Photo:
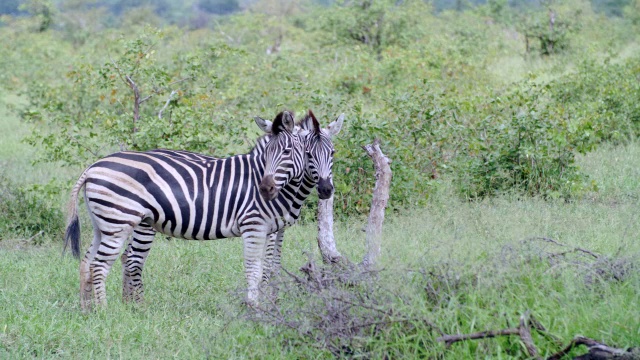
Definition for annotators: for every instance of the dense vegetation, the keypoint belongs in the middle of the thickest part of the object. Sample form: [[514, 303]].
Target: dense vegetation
[[474, 103], [438, 89]]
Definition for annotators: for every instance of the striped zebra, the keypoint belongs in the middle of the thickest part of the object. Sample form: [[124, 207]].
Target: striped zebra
[[319, 152], [185, 195]]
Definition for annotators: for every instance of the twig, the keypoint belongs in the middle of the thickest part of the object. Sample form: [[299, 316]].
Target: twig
[[575, 249], [82, 146], [160, 90], [525, 335], [166, 104], [523, 330], [35, 236], [450, 339], [136, 102]]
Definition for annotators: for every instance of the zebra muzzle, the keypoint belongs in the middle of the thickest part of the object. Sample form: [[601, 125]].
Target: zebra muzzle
[[267, 188], [325, 188]]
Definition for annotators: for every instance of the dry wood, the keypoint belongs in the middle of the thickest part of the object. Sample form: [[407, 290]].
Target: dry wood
[[523, 331], [597, 350], [378, 203], [326, 241]]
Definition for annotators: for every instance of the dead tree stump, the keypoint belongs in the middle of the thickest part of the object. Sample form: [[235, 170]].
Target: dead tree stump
[[326, 241], [378, 203]]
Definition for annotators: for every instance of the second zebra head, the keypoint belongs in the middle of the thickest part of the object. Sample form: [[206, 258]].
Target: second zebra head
[[318, 150], [283, 154]]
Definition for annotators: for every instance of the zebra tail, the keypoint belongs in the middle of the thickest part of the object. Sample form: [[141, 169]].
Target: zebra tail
[[72, 234]]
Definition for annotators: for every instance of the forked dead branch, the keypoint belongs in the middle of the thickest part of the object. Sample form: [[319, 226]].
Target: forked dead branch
[[597, 350]]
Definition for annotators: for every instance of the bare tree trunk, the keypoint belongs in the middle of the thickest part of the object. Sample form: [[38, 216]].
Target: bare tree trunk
[[378, 203], [326, 242]]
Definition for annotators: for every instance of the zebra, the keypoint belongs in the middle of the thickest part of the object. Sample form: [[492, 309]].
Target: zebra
[[319, 152], [184, 195]]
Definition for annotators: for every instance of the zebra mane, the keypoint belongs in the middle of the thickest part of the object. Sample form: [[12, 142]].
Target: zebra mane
[[260, 143], [310, 123]]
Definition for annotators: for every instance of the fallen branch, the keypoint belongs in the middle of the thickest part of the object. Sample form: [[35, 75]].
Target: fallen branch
[[575, 249], [523, 331], [597, 350]]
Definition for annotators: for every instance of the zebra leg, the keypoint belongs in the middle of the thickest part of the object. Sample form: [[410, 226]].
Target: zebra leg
[[273, 255], [86, 287], [106, 254], [133, 259], [86, 284], [254, 249]]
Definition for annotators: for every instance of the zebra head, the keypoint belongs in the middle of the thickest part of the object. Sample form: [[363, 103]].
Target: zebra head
[[283, 154], [319, 151]]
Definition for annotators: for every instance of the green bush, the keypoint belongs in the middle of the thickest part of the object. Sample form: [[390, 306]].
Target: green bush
[[29, 212], [605, 95], [525, 143]]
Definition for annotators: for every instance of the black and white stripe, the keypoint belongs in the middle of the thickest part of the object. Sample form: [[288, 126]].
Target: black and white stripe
[[189, 196], [319, 151]]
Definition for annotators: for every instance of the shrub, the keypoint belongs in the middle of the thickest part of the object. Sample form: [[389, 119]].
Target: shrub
[[526, 144], [28, 212]]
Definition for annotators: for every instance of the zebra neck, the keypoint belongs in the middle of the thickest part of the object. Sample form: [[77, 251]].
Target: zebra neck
[[294, 195]]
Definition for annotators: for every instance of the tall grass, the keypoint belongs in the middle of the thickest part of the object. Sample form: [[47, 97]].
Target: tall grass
[[482, 265]]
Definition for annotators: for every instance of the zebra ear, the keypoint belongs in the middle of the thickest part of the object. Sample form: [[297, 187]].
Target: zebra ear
[[334, 128], [264, 125], [283, 122], [287, 121]]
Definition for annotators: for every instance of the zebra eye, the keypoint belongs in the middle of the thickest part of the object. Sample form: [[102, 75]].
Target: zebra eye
[[286, 151], [333, 152]]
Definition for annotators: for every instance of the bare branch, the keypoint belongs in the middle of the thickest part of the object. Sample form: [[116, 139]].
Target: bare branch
[[575, 249], [136, 102], [160, 90], [595, 346], [166, 104], [525, 335], [450, 339]]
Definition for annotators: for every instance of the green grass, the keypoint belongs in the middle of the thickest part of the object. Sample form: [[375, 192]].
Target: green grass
[[490, 275]]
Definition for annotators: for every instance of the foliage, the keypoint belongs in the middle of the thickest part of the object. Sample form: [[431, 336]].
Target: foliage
[[425, 84], [550, 29], [632, 12], [29, 212], [102, 108], [605, 96], [525, 143]]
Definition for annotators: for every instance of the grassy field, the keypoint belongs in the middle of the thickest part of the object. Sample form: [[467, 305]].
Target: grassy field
[[463, 266]]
